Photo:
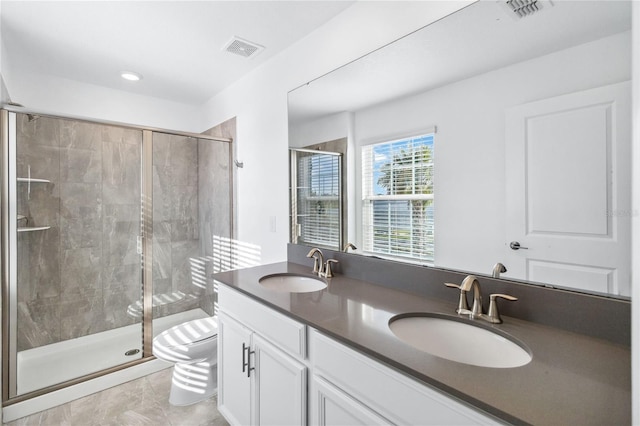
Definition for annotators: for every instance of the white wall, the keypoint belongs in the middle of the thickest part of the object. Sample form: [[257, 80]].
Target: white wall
[[469, 179], [58, 96], [259, 101], [4, 94], [328, 128]]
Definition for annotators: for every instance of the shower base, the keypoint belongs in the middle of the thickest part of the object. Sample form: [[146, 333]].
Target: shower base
[[59, 362]]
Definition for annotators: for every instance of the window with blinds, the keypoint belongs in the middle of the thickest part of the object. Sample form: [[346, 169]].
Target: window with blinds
[[397, 179], [316, 211]]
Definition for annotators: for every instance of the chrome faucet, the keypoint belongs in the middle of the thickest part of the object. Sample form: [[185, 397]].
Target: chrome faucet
[[349, 246], [498, 268], [471, 283], [318, 260]]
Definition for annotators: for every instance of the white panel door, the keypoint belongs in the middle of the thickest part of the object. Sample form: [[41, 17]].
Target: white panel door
[[279, 386], [568, 190]]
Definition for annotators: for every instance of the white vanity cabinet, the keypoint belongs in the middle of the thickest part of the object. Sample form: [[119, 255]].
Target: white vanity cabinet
[[263, 367], [262, 378], [350, 388], [329, 405]]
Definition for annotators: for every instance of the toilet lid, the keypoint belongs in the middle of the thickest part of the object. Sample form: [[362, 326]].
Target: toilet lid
[[188, 333]]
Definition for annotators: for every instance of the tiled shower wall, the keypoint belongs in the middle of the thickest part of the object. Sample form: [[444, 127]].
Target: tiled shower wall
[[175, 222], [191, 202], [215, 199], [79, 276]]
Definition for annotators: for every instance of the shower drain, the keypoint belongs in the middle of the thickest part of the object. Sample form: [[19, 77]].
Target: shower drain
[[132, 352]]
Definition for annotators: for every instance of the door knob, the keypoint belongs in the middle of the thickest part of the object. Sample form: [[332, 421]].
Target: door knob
[[516, 246]]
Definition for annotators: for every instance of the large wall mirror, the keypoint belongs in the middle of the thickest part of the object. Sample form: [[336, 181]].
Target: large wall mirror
[[486, 137]]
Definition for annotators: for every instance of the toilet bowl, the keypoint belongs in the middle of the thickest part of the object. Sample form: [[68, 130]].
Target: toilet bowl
[[192, 347]]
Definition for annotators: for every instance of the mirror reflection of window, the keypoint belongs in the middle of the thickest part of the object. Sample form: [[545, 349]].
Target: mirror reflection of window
[[316, 211], [398, 198]]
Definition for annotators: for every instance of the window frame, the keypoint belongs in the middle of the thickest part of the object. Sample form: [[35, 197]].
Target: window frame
[[368, 196]]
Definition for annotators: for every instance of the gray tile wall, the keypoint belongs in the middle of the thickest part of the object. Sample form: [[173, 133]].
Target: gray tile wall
[[191, 204], [175, 220], [79, 276], [215, 198]]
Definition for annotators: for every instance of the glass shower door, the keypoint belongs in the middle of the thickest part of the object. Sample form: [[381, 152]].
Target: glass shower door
[[316, 198], [191, 210], [77, 281]]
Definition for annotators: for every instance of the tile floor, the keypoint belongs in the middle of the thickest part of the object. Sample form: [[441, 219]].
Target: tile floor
[[144, 401]]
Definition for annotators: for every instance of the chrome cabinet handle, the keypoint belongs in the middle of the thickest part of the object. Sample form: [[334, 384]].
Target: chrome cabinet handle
[[249, 367], [246, 359], [516, 246], [245, 364]]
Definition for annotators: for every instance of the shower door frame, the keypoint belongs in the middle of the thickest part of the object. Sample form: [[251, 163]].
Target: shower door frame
[[8, 246]]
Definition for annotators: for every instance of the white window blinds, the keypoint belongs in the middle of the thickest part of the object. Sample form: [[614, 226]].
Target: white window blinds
[[398, 198], [316, 211]]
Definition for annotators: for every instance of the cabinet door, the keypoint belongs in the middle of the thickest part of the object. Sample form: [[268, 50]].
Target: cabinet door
[[393, 395], [234, 385], [279, 386], [331, 406]]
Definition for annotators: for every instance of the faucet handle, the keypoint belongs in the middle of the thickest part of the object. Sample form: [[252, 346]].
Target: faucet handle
[[463, 306], [493, 316], [328, 273]]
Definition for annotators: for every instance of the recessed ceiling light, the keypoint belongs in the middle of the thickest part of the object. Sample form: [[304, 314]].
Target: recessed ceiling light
[[131, 76]]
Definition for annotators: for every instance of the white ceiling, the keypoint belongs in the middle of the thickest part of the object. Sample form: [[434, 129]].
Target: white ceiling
[[475, 40], [176, 45]]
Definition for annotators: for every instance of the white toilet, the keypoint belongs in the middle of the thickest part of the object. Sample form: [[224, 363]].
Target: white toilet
[[192, 346]]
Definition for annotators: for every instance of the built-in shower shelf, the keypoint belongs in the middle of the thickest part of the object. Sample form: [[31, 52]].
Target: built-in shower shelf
[[33, 180], [32, 228]]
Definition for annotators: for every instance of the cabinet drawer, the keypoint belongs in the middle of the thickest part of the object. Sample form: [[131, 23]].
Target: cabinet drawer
[[281, 330], [393, 395]]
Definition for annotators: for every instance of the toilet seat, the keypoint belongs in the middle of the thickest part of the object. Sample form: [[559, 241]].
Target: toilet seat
[[192, 341]]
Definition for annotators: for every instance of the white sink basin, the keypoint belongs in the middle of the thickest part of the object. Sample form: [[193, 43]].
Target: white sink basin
[[460, 341], [291, 283]]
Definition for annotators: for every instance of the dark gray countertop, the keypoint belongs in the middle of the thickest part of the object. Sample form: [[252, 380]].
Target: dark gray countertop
[[572, 379]]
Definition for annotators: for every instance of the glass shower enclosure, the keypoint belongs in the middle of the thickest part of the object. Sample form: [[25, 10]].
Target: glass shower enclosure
[[106, 241]]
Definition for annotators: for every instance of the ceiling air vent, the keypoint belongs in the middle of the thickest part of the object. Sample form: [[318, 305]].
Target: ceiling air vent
[[522, 8], [242, 47]]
